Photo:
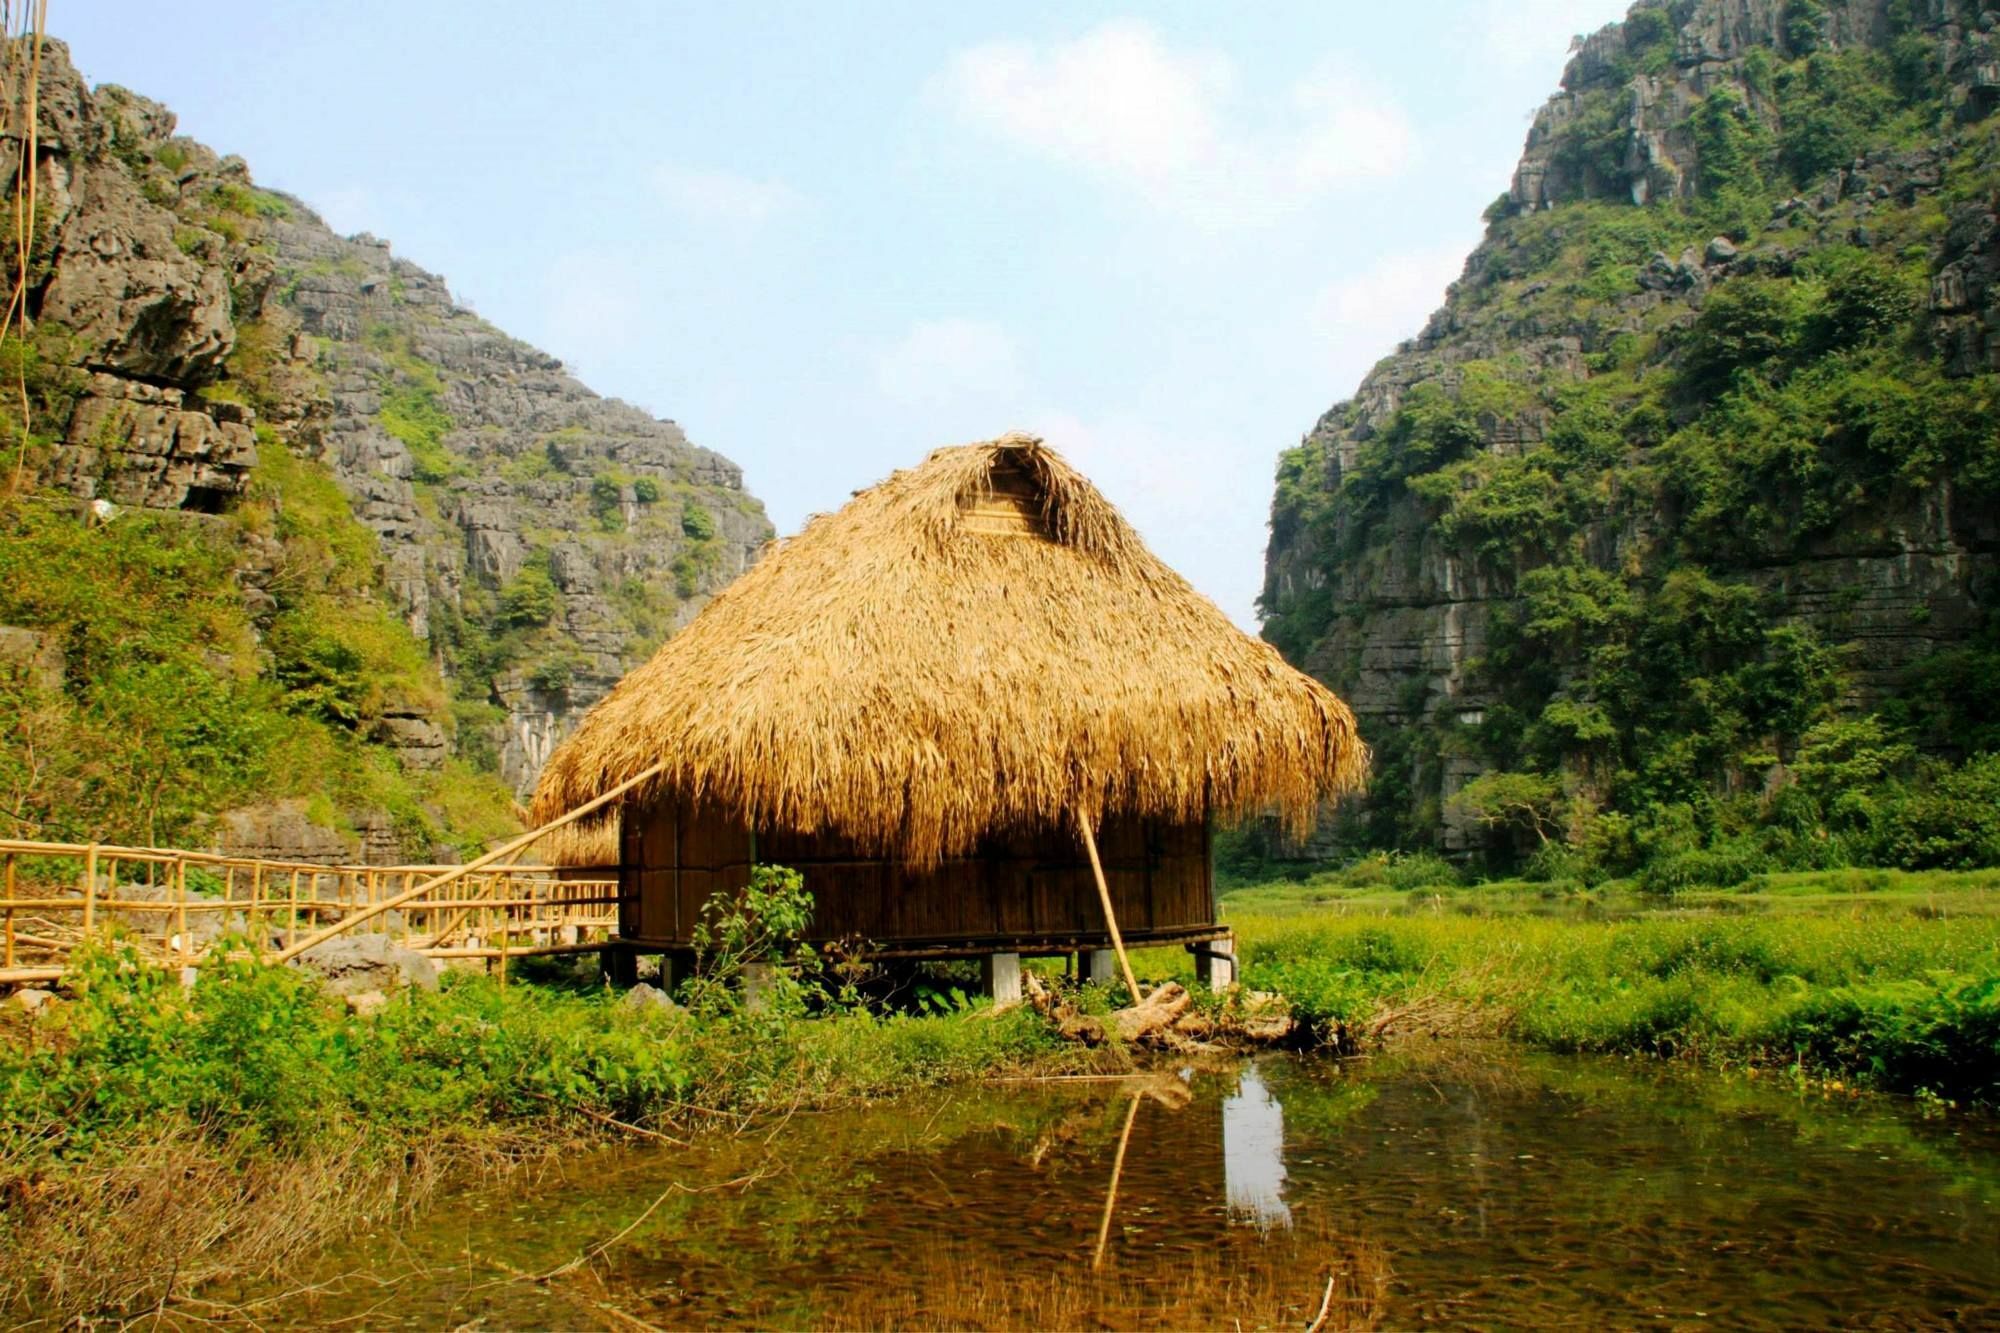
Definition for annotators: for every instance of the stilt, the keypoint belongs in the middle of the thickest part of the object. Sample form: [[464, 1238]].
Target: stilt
[[1215, 963], [676, 966], [1097, 967], [758, 981], [1000, 977], [621, 967]]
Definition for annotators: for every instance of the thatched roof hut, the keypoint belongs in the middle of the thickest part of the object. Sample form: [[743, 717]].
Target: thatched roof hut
[[979, 644]]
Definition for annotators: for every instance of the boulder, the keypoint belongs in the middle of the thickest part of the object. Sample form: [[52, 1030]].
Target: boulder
[[28, 999], [353, 964], [366, 1004], [647, 997]]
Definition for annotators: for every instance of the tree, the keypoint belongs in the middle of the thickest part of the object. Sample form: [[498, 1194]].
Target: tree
[[1533, 801]]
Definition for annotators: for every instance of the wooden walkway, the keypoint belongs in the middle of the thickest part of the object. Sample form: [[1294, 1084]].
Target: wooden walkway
[[180, 907]]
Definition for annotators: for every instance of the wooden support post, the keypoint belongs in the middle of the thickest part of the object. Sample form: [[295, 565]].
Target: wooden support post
[[181, 909], [1104, 896], [676, 967], [90, 888], [10, 910], [250, 917], [621, 967]]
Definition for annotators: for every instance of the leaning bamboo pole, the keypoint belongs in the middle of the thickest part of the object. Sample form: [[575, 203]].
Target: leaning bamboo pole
[[458, 872], [1117, 1170], [1104, 896]]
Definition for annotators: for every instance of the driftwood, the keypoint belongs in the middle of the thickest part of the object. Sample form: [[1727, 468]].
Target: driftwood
[[1153, 1015], [1167, 1019]]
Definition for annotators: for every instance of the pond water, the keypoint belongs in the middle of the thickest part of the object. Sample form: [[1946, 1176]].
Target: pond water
[[1464, 1186]]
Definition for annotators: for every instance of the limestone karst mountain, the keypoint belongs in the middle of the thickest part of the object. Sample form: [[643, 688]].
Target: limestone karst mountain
[[1699, 453], [439, 544]]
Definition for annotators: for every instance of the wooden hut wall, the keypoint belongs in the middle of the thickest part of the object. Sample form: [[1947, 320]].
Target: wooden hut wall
[[1028, 890]]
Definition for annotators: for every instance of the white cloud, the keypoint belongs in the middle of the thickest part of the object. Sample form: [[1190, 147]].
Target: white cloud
[[1115, 99], [721, 196], [958, 369], [1361, 317], [1120, 104]]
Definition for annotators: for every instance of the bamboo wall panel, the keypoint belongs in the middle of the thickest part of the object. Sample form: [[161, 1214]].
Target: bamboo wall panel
[[1030, 888]]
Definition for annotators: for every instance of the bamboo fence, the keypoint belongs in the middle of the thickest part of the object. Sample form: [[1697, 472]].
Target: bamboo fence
[[181, 907]]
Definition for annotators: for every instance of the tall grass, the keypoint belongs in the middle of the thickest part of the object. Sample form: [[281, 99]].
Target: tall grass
[[1897, 1001], [201, 1110]]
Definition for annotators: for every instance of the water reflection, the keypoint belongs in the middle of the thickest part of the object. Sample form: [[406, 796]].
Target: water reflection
[[1253, 1152], [1478, 1187]]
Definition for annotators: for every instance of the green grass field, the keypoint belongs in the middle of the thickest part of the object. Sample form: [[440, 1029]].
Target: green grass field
[[1889, 978]]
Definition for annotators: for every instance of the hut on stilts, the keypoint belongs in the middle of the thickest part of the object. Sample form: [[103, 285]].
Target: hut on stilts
[[974, 711]]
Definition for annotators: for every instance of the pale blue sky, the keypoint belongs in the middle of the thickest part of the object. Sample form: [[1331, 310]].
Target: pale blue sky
[[826, 238]]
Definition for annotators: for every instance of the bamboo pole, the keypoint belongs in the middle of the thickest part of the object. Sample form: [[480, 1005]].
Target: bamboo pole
[[292, 920], [10, 910], [1117, 1169], [458, 872], [257, 933], [1104, 896], [89, 888], [181, 912]]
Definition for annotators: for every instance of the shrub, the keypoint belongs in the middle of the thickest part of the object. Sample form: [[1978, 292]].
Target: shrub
[[1948, 821], [529, 598], [697, 522], [607, 499], [553, 676]]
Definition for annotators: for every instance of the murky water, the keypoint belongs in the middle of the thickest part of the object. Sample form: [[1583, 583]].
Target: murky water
[[1470, 1187]]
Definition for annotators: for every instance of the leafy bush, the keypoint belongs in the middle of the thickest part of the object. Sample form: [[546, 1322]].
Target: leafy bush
[[1950, 820], [529, 598], [554, 675], [607, 500], [697, 522]]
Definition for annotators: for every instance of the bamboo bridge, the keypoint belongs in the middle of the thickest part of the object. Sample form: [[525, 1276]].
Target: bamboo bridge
[[181, 907]]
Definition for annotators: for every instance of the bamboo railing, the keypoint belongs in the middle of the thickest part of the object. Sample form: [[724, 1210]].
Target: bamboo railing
[[180, 906]]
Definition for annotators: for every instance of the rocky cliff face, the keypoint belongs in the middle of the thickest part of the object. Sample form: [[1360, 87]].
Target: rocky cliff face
[[480, 463], [1710, 170], [199, 342]]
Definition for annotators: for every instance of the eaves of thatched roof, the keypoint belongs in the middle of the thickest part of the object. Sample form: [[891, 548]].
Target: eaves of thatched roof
[[980, 643]]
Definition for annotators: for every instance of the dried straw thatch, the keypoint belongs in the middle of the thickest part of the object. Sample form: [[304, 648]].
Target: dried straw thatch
[[588, 842], [917, 670]]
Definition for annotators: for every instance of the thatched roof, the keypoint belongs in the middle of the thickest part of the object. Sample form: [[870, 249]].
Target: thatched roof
[[978, 643], [588, 842]]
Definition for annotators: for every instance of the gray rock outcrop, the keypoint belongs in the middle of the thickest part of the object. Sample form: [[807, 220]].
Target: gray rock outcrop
[[538, 539], [361, 964], [1397, 616]]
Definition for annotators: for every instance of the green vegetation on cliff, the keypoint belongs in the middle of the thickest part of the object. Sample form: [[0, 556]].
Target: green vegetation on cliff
[[1639, 464], [159, 700]]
